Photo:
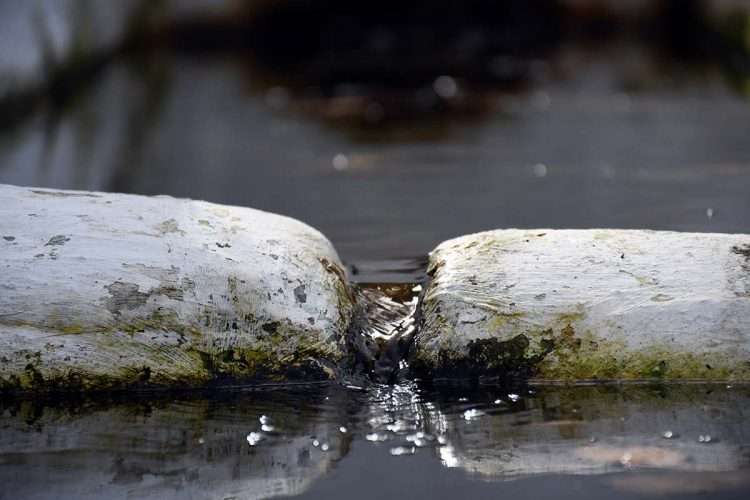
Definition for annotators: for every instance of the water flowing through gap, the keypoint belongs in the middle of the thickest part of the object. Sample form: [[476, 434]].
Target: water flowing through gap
[[388, 295]]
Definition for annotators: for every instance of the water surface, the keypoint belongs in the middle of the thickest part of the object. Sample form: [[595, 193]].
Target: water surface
[[329, 441]]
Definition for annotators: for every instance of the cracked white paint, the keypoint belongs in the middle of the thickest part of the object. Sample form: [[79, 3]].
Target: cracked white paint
[[98, 284]]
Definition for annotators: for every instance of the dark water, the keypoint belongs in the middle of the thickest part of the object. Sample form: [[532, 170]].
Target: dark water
[[608, 137], [622, 441]]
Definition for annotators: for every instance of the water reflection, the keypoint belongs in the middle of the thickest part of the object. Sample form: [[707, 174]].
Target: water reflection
[[263, 443], [220, 447]]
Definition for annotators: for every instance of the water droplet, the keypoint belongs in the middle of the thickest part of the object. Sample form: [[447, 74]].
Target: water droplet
[[704, 438], [463, 400], [710, 213], [375, 437], [473, 414], [342, 429], [626, 457], [403, 450], [445, 86], [400, 426], [499, 402], [667, 434], [267, 428], [514, 397], [540, 170], [324, 447], [340, 162], [442, 439], [592, 439], [201, 440], [622, 419], [316, 443], [254, 438]]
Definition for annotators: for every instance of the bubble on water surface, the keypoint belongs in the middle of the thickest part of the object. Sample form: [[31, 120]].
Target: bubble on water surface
[[704, 438], [403, 450], [376, 437], [539, 170], [473, 414], [254, 438], [340, 162], [445, 86]]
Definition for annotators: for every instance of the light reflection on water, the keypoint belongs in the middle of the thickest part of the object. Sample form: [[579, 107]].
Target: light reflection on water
[[286, 441]]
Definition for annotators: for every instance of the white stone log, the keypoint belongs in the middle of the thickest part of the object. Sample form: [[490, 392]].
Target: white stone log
[[110, 291], [587, 304]]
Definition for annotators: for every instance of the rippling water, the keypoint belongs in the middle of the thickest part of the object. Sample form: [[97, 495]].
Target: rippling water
[[348, 442]]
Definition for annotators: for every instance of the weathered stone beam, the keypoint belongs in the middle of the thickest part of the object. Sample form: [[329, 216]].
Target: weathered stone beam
[[589, 304], [105, 291]]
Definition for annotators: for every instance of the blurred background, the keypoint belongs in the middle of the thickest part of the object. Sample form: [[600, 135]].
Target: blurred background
[[390, 125]]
